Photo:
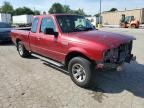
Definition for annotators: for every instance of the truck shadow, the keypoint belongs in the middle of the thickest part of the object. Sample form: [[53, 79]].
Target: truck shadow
[[131, 80], [57, 68], [6, 43]]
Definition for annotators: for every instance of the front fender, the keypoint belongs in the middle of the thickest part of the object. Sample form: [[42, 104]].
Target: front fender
[[91, 54], [80, 50]]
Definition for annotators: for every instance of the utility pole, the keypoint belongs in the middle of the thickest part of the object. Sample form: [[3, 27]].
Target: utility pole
[[0, 9], [34, 10], [100, 12]]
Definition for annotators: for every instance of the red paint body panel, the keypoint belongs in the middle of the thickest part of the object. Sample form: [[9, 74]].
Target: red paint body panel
[[92, 44]]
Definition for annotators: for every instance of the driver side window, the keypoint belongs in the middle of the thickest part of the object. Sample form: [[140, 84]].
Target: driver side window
[[35, 25], [47, 23]]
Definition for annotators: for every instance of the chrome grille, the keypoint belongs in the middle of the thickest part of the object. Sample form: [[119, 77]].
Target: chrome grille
[[119, 54]]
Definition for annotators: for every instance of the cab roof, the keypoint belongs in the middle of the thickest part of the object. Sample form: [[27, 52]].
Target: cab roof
[[56, 15]]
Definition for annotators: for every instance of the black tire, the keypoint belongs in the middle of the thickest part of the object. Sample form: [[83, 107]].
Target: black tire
[[88, 70], [21, 50]]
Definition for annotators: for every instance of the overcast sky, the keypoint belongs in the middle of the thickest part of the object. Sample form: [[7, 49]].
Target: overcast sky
[[89, 6]]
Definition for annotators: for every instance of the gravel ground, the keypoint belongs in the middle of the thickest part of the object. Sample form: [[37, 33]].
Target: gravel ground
[[30, 83]]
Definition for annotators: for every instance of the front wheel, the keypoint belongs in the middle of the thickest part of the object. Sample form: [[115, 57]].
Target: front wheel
[[21, 50], [81, 71]]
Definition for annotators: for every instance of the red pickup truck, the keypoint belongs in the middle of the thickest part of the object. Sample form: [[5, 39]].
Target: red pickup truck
[[71, 41]]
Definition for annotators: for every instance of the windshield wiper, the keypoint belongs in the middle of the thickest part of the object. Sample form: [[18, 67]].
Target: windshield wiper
[[88, 28], [78, 29], [81, 29]]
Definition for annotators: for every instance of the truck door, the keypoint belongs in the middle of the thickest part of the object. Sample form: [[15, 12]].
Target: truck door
[[49, 43], [34, 39]]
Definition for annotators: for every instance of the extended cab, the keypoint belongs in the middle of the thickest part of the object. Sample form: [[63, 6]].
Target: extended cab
[[72, 41]]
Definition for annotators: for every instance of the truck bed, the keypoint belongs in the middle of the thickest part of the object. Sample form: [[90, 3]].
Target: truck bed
[[22, 34], [23, 28]]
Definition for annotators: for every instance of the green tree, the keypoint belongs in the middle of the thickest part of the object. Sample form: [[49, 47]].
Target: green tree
[[56, 8], [66, 9], [7, 8], [79, 12], [23, 10], [88, 15], [113, 9], [97, 15], [36, 12]]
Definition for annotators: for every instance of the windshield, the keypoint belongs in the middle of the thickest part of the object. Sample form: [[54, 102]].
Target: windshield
[[4, 25], [74, 23]]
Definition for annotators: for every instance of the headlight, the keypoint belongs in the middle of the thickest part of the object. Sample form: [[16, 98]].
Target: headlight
[[111, 54]]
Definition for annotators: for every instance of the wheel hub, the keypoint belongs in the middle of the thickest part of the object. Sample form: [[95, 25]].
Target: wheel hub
[[20, 48], [78, 72]]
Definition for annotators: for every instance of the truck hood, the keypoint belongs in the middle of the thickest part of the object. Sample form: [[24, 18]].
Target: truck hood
[[102, 37]]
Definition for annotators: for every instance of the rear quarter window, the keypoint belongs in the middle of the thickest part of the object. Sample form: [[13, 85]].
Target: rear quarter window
[[35, 25]]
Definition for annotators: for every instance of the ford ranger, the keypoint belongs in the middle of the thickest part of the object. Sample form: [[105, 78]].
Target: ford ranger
[[72, 42]]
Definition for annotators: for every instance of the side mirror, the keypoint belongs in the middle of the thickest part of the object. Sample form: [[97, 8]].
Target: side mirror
[[50, 31]]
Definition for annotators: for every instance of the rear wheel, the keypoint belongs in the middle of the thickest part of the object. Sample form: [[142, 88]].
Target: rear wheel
[[21, 50], [81, 71]]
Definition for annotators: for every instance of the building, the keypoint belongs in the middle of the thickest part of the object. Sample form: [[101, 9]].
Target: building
[[5, 18], [113, 18]]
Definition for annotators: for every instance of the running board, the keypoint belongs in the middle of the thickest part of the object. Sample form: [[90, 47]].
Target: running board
[[48, 60]]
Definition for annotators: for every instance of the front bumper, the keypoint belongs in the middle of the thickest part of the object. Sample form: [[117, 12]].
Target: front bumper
[[114, 58], [118, 66]]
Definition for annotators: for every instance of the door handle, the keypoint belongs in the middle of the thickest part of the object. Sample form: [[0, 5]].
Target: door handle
[[39, 38]]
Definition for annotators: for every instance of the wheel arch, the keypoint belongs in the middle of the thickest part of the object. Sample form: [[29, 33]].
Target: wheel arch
[[17, 40], [73, 54]]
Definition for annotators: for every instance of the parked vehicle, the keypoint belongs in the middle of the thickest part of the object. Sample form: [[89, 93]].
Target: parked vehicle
[[6, 18], [22, 20], [95, 20], [5, 30], [72, 42], [129, 22]]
